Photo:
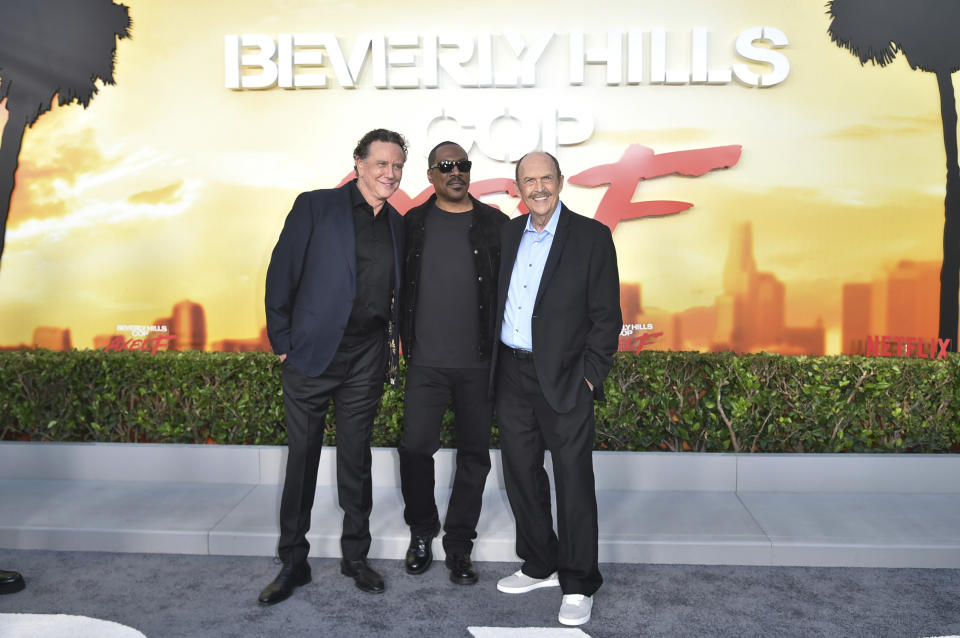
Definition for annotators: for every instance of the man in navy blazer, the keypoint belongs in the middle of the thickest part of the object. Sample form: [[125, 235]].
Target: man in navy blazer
[[332, 310], [559, 323]]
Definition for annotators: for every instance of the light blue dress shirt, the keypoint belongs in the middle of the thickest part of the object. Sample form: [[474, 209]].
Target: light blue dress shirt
[[517, 330]]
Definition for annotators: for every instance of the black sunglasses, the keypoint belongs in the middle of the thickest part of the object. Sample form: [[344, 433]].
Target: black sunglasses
[[445, 166]]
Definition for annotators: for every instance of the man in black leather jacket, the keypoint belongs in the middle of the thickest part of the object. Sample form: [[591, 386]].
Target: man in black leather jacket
[[447, 322]]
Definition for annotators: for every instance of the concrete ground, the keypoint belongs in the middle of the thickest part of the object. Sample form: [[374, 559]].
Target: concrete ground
[[171, 596]]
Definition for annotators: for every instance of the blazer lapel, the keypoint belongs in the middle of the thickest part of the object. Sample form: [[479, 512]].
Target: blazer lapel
[[508, 255], [556, 248], [396, 230]]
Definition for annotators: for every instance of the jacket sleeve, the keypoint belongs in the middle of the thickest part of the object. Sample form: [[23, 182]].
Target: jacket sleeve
[[603, 312], [284, 271]]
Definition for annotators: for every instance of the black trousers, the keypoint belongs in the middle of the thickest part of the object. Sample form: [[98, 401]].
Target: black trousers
[[428, 393], [354, 380], [528, 425]]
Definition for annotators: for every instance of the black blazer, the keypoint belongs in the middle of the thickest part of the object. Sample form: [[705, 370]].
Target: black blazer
[[576, 317], [312, 279]]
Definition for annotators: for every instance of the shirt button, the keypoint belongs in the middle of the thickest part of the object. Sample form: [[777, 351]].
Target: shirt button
[[479, 278]]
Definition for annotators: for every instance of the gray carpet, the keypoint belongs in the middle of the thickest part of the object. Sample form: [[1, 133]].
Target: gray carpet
[[169, 596]]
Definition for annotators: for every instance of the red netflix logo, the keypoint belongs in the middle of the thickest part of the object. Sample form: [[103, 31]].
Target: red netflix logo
[[906, 347]]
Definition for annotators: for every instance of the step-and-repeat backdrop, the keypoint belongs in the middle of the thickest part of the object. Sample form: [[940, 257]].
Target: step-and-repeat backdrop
[[766, 190]]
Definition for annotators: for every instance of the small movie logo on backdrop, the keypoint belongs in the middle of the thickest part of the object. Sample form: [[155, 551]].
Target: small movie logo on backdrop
[[143, 338], [634, 337]]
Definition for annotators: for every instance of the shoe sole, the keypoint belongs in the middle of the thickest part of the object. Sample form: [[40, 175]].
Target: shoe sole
[[12, 587], [300, 583], [268, 603], [574, 623], [523, 590], [469, 580], [421, 570], [463, 581], [368, 590]]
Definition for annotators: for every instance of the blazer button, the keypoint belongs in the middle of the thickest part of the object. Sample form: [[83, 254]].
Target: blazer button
[[479, 278], [475, 251]]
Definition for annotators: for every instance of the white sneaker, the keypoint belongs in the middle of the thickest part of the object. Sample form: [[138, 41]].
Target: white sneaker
[[575, 609], [520, 583]]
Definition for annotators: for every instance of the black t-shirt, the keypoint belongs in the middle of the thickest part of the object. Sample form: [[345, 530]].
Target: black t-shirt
[[448, 322]]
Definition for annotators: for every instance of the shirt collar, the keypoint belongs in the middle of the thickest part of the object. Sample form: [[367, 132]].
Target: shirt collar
[[357, 200], [551, 226], [356, 197]]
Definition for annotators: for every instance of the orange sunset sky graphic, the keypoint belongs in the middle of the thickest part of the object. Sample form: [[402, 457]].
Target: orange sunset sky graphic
[[172, 187]]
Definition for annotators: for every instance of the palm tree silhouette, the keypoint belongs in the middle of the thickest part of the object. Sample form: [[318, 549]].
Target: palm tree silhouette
[[926, 33], [50, 48]]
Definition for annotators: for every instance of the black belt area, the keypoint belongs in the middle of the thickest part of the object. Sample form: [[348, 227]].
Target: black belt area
[[517, 353]]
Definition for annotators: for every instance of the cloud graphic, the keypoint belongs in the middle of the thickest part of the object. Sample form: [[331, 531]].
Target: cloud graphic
[[163, 195], [890, 125]]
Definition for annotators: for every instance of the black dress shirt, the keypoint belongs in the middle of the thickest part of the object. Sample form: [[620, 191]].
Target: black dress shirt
[[371, 307]]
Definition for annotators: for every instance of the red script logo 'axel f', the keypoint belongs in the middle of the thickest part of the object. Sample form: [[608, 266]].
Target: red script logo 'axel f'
[[640, 162]]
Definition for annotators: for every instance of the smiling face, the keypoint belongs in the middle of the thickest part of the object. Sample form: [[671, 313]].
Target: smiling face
[[379, 173], [451, 187], [539, 182]]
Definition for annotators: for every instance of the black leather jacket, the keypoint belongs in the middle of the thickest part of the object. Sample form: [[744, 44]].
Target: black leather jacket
[[484, 238]]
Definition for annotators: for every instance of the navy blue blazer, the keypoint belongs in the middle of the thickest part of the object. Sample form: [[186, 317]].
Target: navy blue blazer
[[312, 279]]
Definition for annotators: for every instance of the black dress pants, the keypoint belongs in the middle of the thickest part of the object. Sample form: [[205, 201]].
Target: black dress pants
[[528, 425], [354, 380], [427, 396]]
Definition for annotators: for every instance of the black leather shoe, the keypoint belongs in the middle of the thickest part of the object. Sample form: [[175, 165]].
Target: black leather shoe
[[461, 569], [289, 578], [365, 578], [11, 582], [420, 553]]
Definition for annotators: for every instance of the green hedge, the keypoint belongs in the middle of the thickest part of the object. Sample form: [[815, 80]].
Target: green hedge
[[655, 401]]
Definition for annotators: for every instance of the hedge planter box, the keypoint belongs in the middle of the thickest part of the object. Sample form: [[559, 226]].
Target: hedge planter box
[[656, 401]]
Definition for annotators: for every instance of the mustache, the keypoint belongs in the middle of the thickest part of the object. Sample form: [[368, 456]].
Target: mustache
[[541, 194]]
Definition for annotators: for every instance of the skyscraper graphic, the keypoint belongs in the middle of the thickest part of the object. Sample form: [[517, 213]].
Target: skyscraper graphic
[[631, 306], [751, 311], [261, 343], [740, 265], [901, 301], [768, 304], [189, 327], [52, 338], [856, 317], [735, 316], [913, 298]]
